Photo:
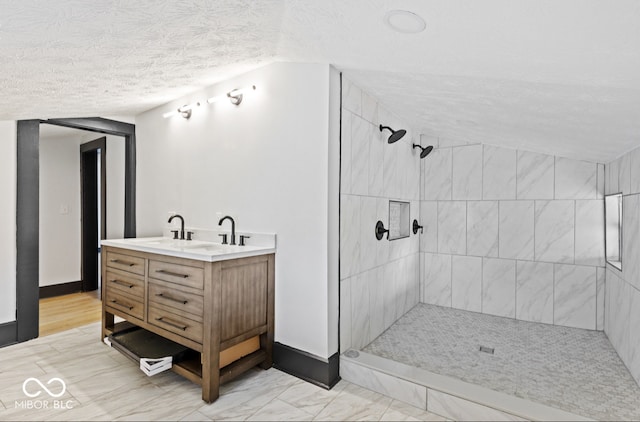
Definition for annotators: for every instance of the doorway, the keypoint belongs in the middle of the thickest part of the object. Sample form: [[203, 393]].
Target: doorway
[[27, 218], [93, 177]]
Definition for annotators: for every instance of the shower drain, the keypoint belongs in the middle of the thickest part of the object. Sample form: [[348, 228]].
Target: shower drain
[[486, 349]]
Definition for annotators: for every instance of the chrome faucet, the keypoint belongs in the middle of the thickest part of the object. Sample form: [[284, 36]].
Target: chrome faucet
[[175, 232], [233, 229]]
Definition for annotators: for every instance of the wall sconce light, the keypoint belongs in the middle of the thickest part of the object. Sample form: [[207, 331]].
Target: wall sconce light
[[235, 95], [184, 111]]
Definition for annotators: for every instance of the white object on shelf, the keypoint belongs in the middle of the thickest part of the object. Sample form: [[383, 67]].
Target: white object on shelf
[[155, 366]]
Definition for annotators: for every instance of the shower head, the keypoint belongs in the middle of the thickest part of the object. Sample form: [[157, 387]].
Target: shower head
[[395, 136], [425, 151]]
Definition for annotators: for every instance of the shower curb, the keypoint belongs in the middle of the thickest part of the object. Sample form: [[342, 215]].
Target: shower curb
[[442, 395]]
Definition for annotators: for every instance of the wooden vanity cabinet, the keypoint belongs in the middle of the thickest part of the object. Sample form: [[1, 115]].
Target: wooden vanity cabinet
[[221, 309]]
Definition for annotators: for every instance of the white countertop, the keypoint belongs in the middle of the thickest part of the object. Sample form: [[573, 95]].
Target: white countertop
[[190, 249]]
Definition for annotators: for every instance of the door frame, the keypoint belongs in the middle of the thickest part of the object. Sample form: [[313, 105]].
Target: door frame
[[28, 203], [89, 251]]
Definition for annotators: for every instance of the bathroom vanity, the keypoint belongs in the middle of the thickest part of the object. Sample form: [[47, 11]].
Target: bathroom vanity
[[217, 300]]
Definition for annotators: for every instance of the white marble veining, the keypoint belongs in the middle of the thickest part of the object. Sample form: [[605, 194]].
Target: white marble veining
[[634, 335], [575, 179], [589, 234], [631, 239], [369, 108], [482, 228], [499, 173], [345, 152], [115, 389], [405, 391], [600, 190], [367, 224], [554, 231], [351, 97], [447, 142], [463, 410], [634, 175], [429, 221], [499, 287], [345, 314], [376, 171], [391, 290], [355, 403], [349, 235], [618, 308], [624, 175], [436, 279], [436, 180], [360, 143], [535, 175], [575, 296], [452, 227], [467, 172], [534, 291], [360, 309], [611, 184], [516, 231], [376, 302], [466, 283], [600, 297]]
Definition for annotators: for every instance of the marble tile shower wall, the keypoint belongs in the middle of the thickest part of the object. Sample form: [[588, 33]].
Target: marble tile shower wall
[[622, 294], [513, 233], [379, 280]]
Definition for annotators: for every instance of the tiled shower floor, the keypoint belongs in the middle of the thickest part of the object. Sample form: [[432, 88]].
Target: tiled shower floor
[[566, 368]]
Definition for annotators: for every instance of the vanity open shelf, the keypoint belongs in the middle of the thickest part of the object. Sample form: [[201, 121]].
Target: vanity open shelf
[[221, 309]]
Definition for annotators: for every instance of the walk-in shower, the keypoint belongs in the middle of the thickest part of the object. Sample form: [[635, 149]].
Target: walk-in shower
[[507, 256]]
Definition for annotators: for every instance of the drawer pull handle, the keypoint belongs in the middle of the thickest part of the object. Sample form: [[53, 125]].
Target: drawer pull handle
[[115, 302], [172, 273], [184, 302], [122, 283], [121, 262], [172, 324]]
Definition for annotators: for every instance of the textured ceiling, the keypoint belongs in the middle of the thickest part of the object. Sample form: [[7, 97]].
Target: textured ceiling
[[561, 77]]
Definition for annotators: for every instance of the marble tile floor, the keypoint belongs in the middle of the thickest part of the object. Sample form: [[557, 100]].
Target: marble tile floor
[[101, 384], [570, 369]]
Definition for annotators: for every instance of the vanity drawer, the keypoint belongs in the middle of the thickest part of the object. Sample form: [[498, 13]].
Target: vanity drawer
[[174, 296], [175, 323], [176, 273], [125, 303], [132, 264], [123, 282]]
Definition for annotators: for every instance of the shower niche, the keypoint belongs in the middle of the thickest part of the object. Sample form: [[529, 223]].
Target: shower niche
[[399, 216]]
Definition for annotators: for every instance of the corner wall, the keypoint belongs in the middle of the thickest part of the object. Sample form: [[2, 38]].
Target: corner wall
[[8, 185], [513, 233], [266, 163], [622, 320], [378, 279]]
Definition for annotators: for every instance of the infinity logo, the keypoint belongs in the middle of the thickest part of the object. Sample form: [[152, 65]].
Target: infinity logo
[[43, 387]]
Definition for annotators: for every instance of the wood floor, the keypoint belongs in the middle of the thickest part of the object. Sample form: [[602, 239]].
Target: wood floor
[[62, 313]]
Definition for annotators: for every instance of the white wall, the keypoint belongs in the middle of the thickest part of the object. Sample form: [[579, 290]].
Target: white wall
[[60, 231], [513, 233], [60, 234], [8, 221], [622, 292], [266, 164], [378, 279]]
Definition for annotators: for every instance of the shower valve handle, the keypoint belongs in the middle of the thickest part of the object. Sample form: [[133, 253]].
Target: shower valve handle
[[380, 230]]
